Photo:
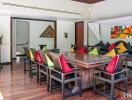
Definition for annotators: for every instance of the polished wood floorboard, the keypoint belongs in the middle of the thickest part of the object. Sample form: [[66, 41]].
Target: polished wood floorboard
[[15, 85]]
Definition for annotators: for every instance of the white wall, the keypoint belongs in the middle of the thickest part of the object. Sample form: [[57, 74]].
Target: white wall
[[36, 29], [63, 43], [5, 30]]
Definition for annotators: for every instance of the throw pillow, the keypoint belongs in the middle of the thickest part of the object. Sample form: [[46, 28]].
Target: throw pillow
[[94, 52], [49, 62], [112, 46], [121, 48], [39, 58], [111, 66], [65, 67], [31, 55], [111, 53]]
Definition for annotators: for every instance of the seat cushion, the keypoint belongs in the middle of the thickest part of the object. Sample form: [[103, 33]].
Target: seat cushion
[[94, 51], [111, 53], [31, 55], [111, 66], [81, 50], [112, 46], [65, 67], [121, 48], [39, 58], [72, 50], [49, 62]]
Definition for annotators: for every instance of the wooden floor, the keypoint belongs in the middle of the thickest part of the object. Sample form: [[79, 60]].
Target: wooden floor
[[15, 85]]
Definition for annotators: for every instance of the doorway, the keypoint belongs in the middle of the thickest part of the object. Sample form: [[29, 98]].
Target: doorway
[[20, 37], [26, 33], [79, 34]]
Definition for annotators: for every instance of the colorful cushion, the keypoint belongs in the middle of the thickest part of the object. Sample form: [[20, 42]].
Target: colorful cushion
[[122, 48], [44, 49], [49, 62], [112, 46], [111, 53], [72, 50], [31, 55], [129, 47], [65, 67], [94, 52], [39, 57], [112, 65], [81, 50]]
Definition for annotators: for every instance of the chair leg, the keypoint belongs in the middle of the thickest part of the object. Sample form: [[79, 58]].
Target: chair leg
[[125, 83], [37, 73], [112, 91], [39, 77], [48, 80], [24, 66], [80, 84], [63, 87], [50, 86], [94, 85]]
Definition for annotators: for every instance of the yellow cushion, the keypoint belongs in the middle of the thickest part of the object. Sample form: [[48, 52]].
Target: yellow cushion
[[122, 48], [31, 55], [111, 53], [44, 49], [72, 50]]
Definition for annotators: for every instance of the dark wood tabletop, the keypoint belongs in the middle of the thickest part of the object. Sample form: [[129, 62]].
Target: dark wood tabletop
[[85, 60]]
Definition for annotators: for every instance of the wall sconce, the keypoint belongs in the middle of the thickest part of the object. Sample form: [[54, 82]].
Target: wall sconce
[[66, 35]]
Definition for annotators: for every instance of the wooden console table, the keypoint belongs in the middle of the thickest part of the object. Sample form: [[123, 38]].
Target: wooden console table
[[86, 63]]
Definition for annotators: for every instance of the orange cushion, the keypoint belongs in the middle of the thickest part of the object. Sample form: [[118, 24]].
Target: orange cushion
[[65, 67], [111, 66]]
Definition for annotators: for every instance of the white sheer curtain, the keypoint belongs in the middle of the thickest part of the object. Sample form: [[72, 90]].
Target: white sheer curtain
[[94, 27]]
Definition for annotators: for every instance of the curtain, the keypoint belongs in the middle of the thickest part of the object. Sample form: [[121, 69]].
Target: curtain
[[94, 27]]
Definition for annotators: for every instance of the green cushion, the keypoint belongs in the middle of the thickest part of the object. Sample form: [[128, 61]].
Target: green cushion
[[44, 49], [94, 52], [49, 62]]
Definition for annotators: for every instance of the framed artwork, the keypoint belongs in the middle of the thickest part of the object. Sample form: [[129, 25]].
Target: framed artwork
[[48, 32], [121, 32]]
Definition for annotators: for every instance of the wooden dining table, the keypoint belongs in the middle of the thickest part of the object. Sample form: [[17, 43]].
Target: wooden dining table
[[86, 63]]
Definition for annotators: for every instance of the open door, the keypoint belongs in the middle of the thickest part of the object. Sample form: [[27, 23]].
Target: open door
[[79, 34]]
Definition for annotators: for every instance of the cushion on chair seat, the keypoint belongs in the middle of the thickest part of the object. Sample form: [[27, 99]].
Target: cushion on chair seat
[[94, 51], [31, 55], [49, 62], [112, 53], [39, 58], [112, 46], [64, 65], [81, 50], [122, 48], [72, 50], [111, 66]]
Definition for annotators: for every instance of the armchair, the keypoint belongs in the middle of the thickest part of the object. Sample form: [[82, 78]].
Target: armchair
[[57, 74], [116, 75]]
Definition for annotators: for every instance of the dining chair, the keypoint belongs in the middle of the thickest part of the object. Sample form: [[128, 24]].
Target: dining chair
[[112, 74], [58, 74], [33, 62], [26, 59], [43, 71]]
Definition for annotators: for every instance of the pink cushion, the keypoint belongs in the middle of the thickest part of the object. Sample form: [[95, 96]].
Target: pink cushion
[[65, 67], [111, 66], [39, 58], [81, 50], [112, 46]]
